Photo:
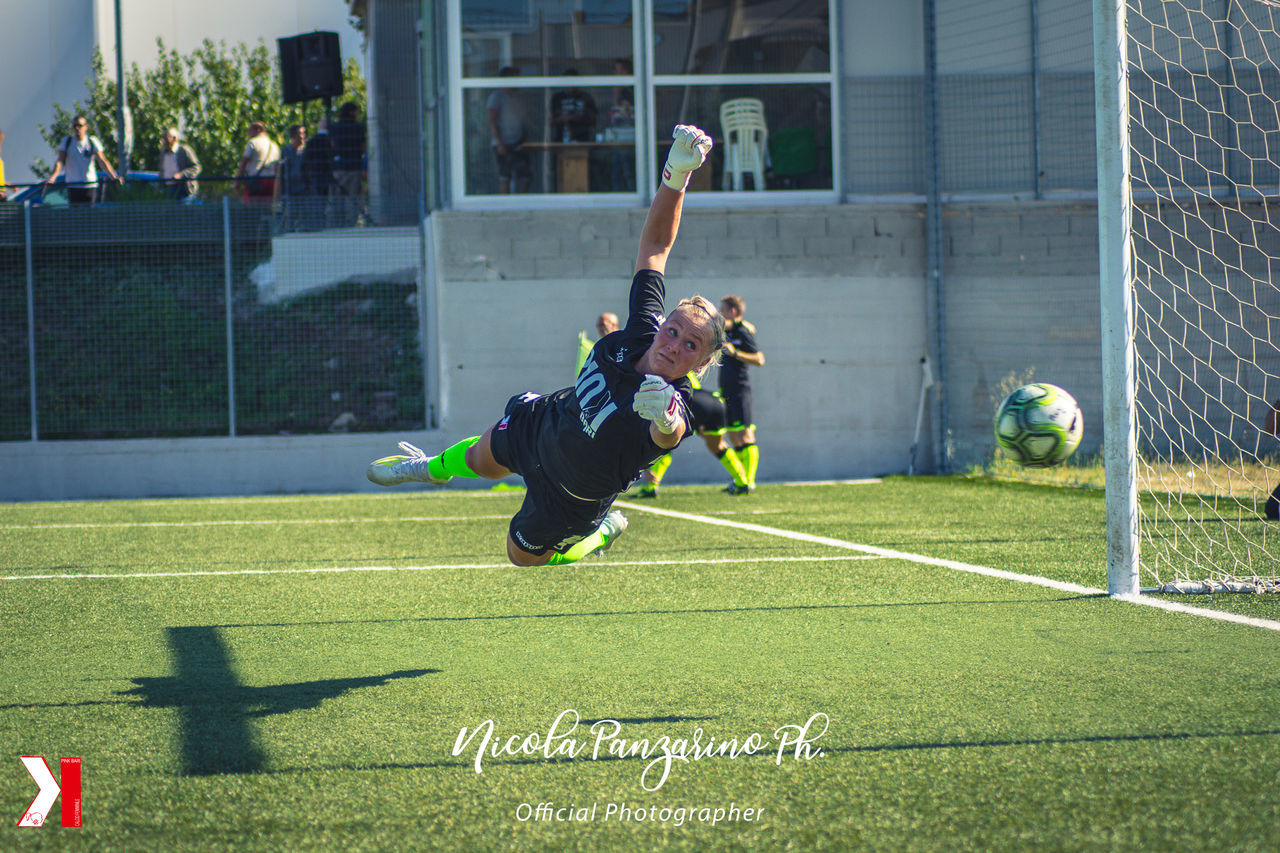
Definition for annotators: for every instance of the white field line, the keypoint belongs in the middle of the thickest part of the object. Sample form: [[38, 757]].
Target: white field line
[[432, 494], [233, 522], [1268, 624], [436, 568], [263, 499], [869, 550]]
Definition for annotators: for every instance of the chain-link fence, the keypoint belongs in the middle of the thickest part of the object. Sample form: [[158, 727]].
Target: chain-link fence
[[149, 319], [1014, 102]]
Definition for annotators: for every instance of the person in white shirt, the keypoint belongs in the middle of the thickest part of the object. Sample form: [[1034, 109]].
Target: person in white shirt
[[258, 164], [78, 156]]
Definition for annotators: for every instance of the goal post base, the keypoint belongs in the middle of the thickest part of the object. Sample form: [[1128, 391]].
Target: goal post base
[[1254, 587]]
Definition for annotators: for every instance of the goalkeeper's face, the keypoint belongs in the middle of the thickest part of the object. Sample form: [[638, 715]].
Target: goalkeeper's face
[[683, 344]]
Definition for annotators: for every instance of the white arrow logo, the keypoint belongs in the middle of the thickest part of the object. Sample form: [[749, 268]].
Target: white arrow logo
[[49, 790]]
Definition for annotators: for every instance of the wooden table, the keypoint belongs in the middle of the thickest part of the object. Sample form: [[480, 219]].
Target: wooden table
[[573, 161]]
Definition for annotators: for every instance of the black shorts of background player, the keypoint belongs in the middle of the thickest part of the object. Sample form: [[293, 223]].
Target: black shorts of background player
[[708, 414], [579, 448], [1271, 509], [740, 351]]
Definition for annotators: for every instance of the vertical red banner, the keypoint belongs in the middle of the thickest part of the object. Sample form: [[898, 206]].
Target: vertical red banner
[[70, 792]]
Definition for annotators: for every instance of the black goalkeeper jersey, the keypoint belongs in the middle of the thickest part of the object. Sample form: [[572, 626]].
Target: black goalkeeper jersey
[[590, 440], [734, 378]]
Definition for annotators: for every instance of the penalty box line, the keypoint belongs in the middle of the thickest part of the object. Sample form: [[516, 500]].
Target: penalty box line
[[1000, 574], [441, 567]]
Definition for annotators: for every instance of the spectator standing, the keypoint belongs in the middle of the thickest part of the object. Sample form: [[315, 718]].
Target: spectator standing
[[291, 186], [179, 166], [606, 323], [348, 136], [622, 128], [4, 190], [78, 156], [573, 113], [258, 165], [317, 169], [507, 120]]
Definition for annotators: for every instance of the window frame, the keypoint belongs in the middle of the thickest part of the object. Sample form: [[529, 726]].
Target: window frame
[[643, 82]]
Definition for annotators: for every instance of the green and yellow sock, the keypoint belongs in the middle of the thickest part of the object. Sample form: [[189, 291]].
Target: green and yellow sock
[[580, 549], [730, 461], [452, 461], [659, 469], [750, 454]]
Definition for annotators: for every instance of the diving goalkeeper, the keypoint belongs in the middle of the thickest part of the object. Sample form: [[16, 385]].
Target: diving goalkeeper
[[579, 448]]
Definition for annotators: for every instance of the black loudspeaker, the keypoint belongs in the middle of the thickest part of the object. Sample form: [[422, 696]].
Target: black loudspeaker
[[310, 67]]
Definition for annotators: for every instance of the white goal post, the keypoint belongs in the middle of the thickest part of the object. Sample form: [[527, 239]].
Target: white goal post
[[1187, 94]]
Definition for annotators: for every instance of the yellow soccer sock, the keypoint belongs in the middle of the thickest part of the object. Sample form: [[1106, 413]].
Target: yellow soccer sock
[[751, 456], [731, 463], [659, 469]]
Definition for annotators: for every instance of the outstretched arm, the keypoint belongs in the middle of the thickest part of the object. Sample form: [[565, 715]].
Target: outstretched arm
[[58, 166], [688, 152], [660, 227], [752, 358], [110, 171]]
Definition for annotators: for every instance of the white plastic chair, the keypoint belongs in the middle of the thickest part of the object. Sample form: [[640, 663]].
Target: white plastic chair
[[746, 139]]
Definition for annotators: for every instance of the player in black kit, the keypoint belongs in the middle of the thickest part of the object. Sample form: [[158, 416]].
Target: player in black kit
[[740, 350], [709, 421], [579, 448]]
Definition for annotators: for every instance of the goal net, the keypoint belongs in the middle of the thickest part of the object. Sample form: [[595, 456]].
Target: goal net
[[1204, 159]]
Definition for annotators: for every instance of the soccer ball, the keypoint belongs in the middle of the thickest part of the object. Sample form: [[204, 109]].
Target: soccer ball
[[1039, 425]]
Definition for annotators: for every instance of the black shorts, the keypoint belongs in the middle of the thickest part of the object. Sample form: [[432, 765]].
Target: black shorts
[[737, 407], [549, 517], [707, 412], [516, 163]]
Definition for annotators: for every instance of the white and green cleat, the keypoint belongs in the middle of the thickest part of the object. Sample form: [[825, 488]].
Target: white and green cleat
[[394, 470], [613, 526]]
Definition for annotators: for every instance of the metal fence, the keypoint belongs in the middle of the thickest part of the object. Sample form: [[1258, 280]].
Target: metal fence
[[146, 319]]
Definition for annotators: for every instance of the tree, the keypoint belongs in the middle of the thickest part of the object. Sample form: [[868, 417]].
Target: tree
[[210, 96]]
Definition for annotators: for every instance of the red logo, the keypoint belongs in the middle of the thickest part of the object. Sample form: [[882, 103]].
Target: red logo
[[38, 811]]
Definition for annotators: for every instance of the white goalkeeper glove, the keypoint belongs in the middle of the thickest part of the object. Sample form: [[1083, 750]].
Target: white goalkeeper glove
[[658, 402], [688, 152]]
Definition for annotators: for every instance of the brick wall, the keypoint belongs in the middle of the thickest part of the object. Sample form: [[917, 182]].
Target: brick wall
[[839, 296]]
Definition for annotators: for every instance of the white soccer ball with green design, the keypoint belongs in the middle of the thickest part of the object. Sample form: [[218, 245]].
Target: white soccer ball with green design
[[1039, 425]]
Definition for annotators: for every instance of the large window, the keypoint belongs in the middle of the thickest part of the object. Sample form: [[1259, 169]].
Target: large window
[[556, 98]]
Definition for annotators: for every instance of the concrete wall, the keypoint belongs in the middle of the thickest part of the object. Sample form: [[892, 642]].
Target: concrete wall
[[134, 468], [45, 60], [1022, 303], [838, 294]]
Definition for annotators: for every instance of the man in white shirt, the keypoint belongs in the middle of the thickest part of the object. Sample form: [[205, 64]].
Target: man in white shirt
[[258, 165], [78, 155]]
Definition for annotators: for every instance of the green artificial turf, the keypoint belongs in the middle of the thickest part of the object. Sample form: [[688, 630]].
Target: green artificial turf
[[294, 674]]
